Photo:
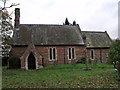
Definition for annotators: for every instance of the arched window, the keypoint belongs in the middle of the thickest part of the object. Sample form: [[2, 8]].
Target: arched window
[[92, 54]]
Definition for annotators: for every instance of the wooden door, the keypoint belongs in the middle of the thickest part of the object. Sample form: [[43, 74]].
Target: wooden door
[[31, 61]]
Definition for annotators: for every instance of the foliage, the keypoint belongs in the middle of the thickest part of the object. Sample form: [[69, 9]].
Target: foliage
[[4, 61], [14, 62], [79, 61], [117, 68], [95, 61], [83, 60], [55, 62], [6, 28], [84, 36], [90, 61], [61, 76], [114, 53], [73, 61]]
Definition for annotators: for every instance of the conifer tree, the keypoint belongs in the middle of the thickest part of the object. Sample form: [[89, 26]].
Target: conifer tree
[[67, 22], [74, 22]]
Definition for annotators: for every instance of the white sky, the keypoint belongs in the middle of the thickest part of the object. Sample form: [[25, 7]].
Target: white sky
[[93, 15]]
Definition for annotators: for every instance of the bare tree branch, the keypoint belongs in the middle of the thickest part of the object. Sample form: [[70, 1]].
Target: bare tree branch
[[13, 4]]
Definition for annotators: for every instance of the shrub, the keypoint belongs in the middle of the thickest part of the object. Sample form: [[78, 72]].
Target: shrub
[[114, 53], [95, 61], [4, 61], [117, 68], [73, 61], [83, 59], [56, 62], [14, 62], [79, 61], [90, 61]]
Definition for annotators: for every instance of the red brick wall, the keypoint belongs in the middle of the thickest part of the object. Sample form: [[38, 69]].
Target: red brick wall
[[18, 51], [61, 53], [100, 54]]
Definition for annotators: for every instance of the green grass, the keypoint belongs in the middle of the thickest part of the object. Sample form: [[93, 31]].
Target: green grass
[[61, 76]]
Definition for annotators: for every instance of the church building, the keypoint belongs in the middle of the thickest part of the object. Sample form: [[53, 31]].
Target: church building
[[39, 45]]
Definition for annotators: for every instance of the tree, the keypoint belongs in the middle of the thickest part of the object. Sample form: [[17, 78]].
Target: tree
[[114, 52], [6, 28], [6, 31], [86, 56], [67, 22], [114, 56], [74, 22]]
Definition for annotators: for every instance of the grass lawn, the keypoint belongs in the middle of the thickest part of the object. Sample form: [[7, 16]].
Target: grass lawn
[[61, 76]]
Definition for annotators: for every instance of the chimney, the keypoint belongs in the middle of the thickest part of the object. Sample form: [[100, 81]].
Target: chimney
[[17, 17]]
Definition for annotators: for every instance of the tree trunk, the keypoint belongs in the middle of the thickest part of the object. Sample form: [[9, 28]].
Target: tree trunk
[[119, 74], [86, 59], [118, 67]]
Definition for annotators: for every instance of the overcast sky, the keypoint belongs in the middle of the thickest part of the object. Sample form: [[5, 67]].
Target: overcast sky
[[93, 15]]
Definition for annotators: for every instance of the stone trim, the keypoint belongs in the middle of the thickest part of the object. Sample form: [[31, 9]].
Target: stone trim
[[71, 53], [52, 54], [24, 57]]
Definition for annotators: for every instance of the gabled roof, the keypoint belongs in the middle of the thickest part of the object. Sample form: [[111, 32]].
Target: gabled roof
[[40, 34], [97, 39]]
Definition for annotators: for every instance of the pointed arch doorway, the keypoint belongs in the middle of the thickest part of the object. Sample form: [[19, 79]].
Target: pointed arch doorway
[[31, 61]]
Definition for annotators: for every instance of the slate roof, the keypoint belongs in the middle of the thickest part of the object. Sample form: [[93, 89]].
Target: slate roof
[[41, 34], [96, 39]]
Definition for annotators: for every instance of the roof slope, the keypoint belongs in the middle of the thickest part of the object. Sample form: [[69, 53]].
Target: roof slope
[[97, 39], [48, 35]]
